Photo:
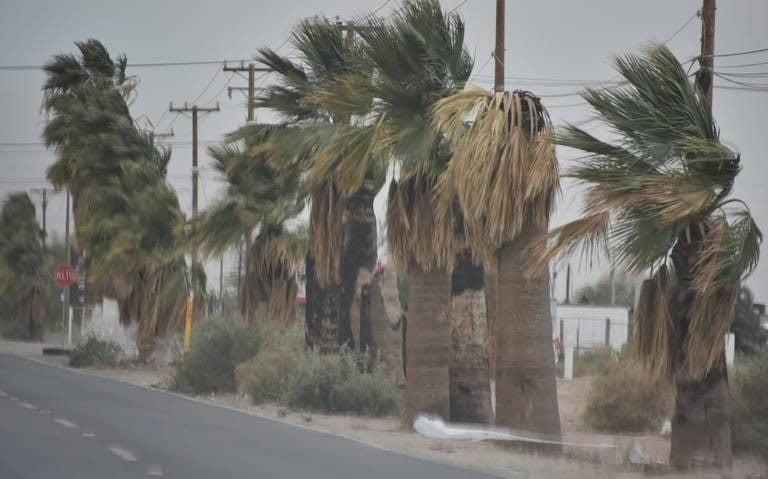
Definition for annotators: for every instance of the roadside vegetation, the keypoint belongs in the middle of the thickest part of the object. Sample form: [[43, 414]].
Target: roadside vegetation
[[96, 352]]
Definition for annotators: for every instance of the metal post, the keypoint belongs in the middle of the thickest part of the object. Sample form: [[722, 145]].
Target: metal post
[[67, 320]]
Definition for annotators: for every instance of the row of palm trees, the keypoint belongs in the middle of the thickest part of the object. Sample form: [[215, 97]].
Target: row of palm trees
[[472, 178]]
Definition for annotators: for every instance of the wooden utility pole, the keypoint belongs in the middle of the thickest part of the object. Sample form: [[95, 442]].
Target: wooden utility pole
[[44, 205], [705, 77], [568, 285], [498, 53], [195, 110], [251, 69], [67, 260]]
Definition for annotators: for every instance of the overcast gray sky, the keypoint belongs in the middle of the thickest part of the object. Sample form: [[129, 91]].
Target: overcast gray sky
[[546, 40]]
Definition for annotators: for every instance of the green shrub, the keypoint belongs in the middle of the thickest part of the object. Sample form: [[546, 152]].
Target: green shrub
[[336, 383], [286, 373], [218, 346], [626, 399], [749, 418], [96, 352], [264, 378]]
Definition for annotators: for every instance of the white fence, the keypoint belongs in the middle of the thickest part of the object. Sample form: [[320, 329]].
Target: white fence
[[586, 327]]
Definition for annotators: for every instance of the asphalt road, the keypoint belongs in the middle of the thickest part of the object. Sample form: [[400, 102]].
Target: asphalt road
[[59, 424]]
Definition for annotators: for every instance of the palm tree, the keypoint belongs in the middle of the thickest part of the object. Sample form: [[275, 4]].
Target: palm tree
[[257, 203], [658, 197], [342, 231], [504, 173], [22, 272], [750, 335], [128, 219], [407, 64]]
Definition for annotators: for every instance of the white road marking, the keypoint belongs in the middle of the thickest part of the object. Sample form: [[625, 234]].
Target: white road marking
[[27, 405], [3, 394], [44, 411], [65, 423], [14, 398], [89, 434], [155, 470], [123, 454]]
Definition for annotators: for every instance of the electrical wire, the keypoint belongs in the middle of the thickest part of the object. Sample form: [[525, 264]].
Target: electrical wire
[[130, 65], [207, 86], [671, 37]]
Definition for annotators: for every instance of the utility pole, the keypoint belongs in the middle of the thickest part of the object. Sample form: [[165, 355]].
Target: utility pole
[[67, 260], [221, 282], [195, 176], [44, 193], [498, 54], [705, 76], [251, 69], [568, 285]]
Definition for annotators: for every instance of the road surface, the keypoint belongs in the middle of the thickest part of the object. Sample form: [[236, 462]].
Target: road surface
[[60, 424]]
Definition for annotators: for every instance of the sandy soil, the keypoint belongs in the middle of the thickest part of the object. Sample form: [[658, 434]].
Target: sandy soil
[[576, 461]]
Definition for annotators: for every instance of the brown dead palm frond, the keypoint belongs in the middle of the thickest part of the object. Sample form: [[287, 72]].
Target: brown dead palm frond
[[712, 314], [654, 329], [504, 168], [326, 231], [416, 233]]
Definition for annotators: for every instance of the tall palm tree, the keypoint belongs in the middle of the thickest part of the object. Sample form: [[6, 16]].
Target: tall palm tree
[[22, 272], [749, 334], [128, 219], [407, 64], [659, 197], [258, 201], [342, 231]]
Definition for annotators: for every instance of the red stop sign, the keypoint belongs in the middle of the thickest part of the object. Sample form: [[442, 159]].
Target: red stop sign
[[65, 275]]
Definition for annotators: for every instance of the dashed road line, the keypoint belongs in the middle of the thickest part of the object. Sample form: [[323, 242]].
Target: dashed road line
[[13, 398], [44, 411], [155, 470], [26, 405], [89, 434], [123, 454], [3, 394], [65, 423]]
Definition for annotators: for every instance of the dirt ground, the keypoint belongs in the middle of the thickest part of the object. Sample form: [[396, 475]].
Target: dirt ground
[[577, 460]]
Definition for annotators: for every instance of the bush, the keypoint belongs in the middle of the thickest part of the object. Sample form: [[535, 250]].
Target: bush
[[265, 377], [284, 372], [336, 383], [626, 399], [96, 352], [749, 418], [594, 363], [218, 346]]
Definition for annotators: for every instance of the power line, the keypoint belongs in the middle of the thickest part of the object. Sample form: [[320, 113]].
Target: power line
[[671, 37], [733, 54], [380, 7], [130, 65], [458, 6], [208, 85]]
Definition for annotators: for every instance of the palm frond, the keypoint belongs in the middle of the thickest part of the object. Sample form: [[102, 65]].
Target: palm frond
[[654, 329]]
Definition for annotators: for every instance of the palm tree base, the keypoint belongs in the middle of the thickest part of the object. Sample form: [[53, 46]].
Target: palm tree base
[[701, 431]]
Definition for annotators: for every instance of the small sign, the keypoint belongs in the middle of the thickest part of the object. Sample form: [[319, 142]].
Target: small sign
[[65, 275]]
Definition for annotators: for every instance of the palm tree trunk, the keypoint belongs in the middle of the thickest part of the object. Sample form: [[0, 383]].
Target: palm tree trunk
[[526, 392], [358, 263], [427, 345], [322, 312], [701, 431], [470, 393]]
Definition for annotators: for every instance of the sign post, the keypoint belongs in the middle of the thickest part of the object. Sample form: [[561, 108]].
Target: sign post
[[65, 276]]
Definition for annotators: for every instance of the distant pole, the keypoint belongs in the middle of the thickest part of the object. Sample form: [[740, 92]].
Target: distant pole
[[221, 281], [613, 286], [67, 260], [251, 69], [251, 91], [195, 110], [705, 78], [239, 269], [499, 52], [568, 285], [45, 206]]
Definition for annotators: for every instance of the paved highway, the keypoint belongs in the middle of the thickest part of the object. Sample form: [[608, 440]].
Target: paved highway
[[59, 424]]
